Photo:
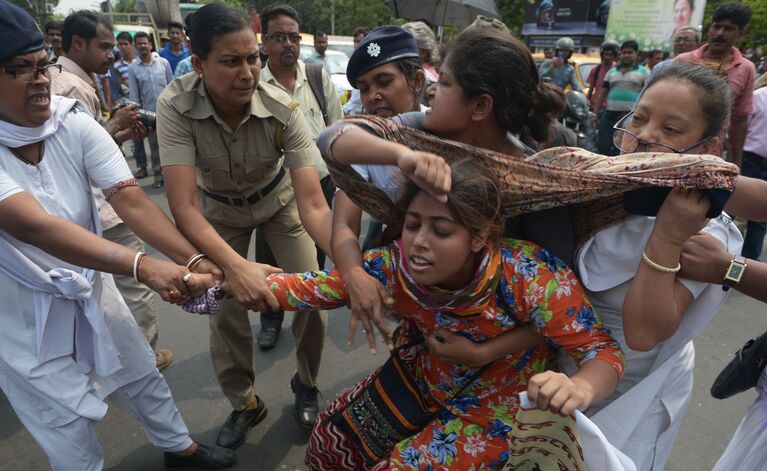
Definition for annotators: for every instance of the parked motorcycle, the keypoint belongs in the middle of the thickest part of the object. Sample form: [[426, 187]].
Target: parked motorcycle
[[579, 118]]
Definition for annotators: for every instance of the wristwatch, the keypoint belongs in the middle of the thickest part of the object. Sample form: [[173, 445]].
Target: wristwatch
[[735, 271]]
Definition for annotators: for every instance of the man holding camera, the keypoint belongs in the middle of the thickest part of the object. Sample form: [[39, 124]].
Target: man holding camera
[[557, 69], [87, 41], [147, 78]]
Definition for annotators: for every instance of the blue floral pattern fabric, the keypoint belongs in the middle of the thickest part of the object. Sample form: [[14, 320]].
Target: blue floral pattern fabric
[[472, 431]]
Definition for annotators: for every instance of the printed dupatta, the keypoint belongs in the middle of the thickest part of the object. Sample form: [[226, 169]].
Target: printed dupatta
[[470, 300], [554, 177]]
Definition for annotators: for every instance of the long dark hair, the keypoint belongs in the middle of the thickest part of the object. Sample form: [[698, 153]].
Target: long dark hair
[[474, 199], [486, 60]]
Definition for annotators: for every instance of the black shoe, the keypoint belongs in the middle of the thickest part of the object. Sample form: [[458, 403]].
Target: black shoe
[[141, 173], [267, 337], [306, 407], [204, 457], [237, 426]]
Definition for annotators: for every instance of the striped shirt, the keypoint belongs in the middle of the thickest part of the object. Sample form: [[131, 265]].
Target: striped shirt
[[623, 88], [74, 82]]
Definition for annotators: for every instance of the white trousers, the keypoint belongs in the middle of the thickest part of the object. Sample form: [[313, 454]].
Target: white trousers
[[74, 447]]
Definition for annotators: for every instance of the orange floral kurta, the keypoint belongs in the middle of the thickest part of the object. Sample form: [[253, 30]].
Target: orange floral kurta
[[471, 432]]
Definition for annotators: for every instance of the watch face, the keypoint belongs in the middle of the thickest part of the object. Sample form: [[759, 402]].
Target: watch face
[[735, 272]]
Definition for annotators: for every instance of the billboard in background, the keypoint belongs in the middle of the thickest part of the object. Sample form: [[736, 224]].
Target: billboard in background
[[565, 17], [652, 23]]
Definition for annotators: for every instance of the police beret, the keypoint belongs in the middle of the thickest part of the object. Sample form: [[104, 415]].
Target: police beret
[[379, 47], [19, 34]]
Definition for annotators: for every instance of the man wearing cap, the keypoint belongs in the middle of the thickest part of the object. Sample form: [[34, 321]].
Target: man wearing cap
[[67, 340], [280, 26], [239, 139]]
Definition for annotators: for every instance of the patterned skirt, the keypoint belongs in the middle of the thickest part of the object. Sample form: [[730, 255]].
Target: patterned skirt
[[329, 448]]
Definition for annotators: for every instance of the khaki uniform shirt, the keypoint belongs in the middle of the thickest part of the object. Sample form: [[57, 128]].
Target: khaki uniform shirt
[[231, 162], [308, 102]]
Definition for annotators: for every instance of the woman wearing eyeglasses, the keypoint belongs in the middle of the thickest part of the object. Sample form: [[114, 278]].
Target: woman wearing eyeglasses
[[68, 339], [631, 270]]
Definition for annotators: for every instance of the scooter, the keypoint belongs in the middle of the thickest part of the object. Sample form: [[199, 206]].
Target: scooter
[[579, 118]]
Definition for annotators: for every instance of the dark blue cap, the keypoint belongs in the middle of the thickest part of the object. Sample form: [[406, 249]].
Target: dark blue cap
[[379, 47], [19, 34]]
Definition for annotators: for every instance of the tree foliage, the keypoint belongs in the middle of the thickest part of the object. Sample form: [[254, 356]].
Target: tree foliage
[[316, 15], [37, 8]]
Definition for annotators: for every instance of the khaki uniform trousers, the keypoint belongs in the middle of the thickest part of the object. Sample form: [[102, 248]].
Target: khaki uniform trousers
[[231, 337], [139, 298]]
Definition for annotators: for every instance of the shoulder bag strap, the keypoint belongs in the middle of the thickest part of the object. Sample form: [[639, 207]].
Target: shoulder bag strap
[[314, 76]]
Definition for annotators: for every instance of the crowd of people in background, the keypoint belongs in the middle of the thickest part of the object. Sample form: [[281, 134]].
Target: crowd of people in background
[[248, 140]]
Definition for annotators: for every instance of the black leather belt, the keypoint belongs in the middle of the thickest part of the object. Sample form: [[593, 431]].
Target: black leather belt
[[252, 199]]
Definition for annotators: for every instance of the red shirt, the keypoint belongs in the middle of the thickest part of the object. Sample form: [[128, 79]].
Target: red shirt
[[596, 81], [741, 74]]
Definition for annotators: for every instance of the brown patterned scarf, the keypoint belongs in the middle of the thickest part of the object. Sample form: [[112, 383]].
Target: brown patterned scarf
[[592, 184]]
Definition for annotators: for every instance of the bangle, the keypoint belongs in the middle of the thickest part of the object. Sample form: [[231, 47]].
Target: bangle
[[195, 260], [659, 268], [137, 265]]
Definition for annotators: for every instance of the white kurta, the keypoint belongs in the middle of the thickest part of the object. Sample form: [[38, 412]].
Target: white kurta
[[79, 154], [643, 415], [747, 450]]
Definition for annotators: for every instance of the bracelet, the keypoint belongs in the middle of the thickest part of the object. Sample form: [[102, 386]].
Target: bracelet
[[137, 265], [659, 268], [110, 192], [195, 260]]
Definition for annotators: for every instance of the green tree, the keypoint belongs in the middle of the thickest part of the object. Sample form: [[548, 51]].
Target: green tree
[[316, 15], [512, 13], [125, 6], [37, 8]]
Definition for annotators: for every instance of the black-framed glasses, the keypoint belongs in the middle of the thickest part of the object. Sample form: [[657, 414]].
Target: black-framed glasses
[[629, 142], [295, 38], [30, 73]]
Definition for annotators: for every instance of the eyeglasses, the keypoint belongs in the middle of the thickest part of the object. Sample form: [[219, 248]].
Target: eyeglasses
[[295, 38], [27, 73], [628, 142]]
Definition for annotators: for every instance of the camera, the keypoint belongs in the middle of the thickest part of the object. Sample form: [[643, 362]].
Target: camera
[[147, 118]]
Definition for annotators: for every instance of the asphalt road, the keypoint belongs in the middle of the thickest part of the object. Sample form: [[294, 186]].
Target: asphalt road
[[278, 443]]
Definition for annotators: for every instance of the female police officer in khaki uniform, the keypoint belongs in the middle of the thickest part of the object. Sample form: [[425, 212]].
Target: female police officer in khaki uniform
[[224, 131]]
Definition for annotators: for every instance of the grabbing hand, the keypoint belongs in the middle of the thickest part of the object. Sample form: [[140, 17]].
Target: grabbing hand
[[456, 349], [367, 296], [428, 171], [207, 266], [247, 283], [124, 118], [681, 215], [170, 281], [137, 131], [559, 393], [704, 258]]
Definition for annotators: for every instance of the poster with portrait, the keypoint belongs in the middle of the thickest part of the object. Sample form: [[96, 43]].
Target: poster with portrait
[[565, 17], [652, 23]]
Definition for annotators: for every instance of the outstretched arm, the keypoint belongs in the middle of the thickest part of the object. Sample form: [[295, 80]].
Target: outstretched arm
[[347, 144], [367, 295], [23, 218], [705, 259]]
